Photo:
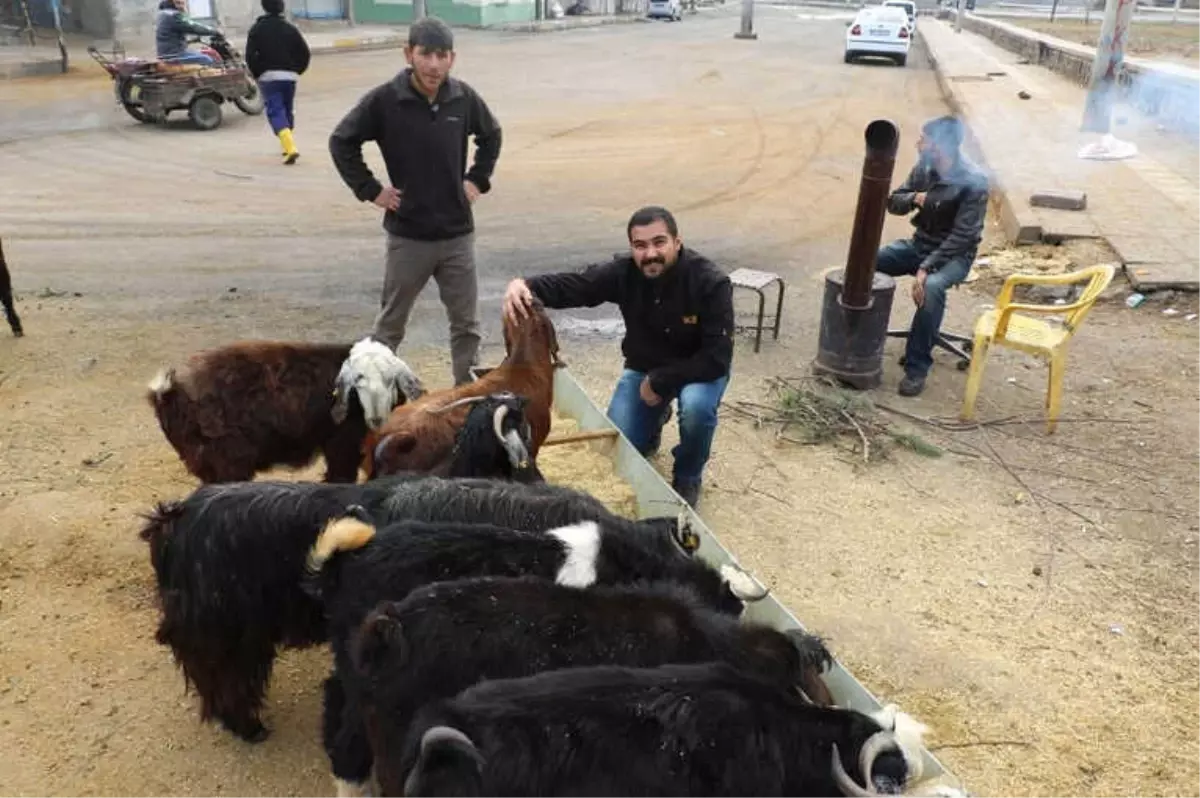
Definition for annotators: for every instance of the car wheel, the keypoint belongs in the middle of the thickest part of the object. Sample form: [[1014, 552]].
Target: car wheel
[[849, 57], [901, 60]]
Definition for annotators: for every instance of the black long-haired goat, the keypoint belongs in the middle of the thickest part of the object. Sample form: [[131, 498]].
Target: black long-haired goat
[[230, 559], [6, 297]]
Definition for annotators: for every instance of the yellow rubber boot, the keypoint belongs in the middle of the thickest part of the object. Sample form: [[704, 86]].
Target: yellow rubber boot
[[289, 146]]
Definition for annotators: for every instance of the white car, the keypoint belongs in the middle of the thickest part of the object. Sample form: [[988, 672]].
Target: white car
[[881, 31], [909, 7], [666, 9]]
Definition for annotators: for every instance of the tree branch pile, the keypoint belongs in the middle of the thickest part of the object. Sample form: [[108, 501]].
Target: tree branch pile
[[812, 411]]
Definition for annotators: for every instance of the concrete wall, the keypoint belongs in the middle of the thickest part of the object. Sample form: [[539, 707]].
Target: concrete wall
[[1169, 93]]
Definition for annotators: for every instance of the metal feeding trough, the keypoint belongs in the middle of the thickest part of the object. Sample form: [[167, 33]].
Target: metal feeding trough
[[656, 498], [858, 300]]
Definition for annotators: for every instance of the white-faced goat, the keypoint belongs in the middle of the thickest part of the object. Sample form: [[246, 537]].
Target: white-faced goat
[[448, 636], [246, 407], [697, 730], [356, 566]]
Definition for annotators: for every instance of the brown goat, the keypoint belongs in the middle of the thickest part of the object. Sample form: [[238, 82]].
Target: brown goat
[[6, 297], [245, 407], [419, 436]]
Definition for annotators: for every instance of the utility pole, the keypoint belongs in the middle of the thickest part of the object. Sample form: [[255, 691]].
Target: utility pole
[[1053, 9], [418, 10], [1106, 67], [958, 12], [1175, 12], [747, 31]]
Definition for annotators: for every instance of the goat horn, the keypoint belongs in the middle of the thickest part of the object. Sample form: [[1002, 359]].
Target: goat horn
[[742, 585], [846, 784], [498, 421], [685, 537], [466, 400], [871, 750]]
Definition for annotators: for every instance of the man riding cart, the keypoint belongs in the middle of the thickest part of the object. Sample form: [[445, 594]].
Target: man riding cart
[[171, 29]]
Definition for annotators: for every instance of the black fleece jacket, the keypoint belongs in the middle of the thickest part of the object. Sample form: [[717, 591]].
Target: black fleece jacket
[[678, 327], [950, 222], [424, 148], [275, 43]]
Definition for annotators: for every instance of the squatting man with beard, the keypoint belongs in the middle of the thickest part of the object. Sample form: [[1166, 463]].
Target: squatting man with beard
[[678, 346], [421, 120]]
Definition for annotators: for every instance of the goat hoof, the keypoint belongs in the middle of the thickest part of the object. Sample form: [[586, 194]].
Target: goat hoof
[[18, 333], [252, 732]]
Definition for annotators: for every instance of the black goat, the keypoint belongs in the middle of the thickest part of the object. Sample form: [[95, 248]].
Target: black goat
[[695, 730], [356, 566], [448, 636], [6, 297], [229, 560]]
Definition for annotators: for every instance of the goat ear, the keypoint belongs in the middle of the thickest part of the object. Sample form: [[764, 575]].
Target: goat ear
[[380, 640], [342, 387], [408, 387], [389, 446]]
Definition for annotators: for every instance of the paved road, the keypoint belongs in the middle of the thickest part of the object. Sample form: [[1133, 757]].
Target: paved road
[[757, 145]]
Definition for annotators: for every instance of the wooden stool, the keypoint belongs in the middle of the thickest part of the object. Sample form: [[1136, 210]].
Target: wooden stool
[[756, 281]]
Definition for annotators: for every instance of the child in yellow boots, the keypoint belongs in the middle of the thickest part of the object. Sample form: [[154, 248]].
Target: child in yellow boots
[[278, 55]]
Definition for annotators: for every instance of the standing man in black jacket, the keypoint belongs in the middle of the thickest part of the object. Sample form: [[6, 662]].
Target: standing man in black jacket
[[678, 311], [950, 196], [421, 120], [277, 56]]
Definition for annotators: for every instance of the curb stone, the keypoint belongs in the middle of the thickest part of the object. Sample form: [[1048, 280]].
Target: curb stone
[[1014, 229]]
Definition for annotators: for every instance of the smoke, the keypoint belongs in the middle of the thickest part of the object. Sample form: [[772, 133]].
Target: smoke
[[1171, 101]]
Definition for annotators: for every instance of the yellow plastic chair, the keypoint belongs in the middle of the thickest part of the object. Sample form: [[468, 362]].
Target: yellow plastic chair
[[1005, 326]]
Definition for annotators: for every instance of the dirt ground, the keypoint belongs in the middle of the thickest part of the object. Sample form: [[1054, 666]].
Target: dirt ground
[[1176, 42], [1032, 598]]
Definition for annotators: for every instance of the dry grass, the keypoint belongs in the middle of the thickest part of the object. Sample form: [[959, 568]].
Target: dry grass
[[809, 410], [585, 466], [1148, 40]]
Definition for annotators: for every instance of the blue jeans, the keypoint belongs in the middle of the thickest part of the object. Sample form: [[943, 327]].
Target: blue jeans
[[279, 97], [189, 57], [901, 257], [642, 424]]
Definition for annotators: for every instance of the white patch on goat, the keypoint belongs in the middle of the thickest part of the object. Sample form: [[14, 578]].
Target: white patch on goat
[[161, 382], [379, 377], [909, 735], [350, 789], [582, 544]]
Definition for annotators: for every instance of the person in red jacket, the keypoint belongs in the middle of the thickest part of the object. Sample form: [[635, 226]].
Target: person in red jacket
[[678, 311], [278, 55]]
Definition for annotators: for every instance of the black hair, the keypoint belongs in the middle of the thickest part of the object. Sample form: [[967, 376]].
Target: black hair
[[649, 215], [945, 133], [431, 35], [272, 6]]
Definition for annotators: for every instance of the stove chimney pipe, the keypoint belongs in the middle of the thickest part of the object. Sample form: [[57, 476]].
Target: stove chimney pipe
[[858, 300], [873, 190]]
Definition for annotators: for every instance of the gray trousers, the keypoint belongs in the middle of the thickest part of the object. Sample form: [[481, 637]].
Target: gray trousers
[[451, 263]]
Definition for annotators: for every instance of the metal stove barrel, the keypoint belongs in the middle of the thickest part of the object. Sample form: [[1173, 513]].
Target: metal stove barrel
[[858, 301]]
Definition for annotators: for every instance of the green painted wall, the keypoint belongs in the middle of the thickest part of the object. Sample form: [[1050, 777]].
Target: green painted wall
[[508, 11], [370, 12]]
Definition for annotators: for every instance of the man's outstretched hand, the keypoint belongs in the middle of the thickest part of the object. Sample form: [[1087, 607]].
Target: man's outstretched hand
[[518, 300]]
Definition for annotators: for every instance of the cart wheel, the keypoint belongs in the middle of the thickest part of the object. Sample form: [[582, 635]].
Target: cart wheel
[[963, 365], [205, 112], [251, 103], [131, 106]]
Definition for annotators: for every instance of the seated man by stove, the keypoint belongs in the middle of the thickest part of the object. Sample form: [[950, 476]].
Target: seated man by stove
[[678, 311], [950, 195]]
